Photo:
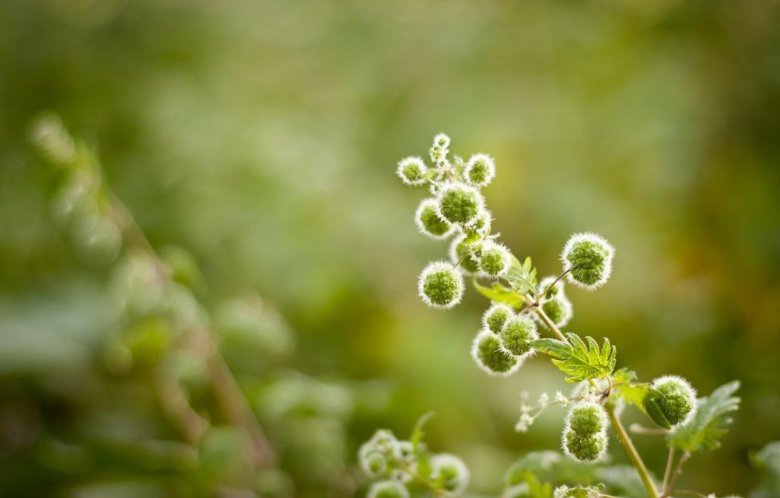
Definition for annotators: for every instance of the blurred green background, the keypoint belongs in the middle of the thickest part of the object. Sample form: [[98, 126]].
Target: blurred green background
[[262, 137]]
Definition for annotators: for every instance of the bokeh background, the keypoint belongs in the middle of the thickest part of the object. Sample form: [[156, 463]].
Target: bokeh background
[[261, 138]]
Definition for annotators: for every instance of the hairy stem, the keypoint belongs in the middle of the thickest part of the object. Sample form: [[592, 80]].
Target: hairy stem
[[546, 319], [617, 425], [625, 440]]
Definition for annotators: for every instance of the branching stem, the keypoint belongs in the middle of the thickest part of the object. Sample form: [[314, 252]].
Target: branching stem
[[625, 440], [617, 425], [226, 389]]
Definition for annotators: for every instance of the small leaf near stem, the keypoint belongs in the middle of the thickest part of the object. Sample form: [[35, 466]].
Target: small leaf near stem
[[623, 436]]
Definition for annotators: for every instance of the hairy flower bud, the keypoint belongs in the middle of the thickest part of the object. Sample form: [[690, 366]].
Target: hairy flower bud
[[517, 334], [675, 398], [441, 140], [491, 357], [375, 454], [550, 287], [494, 259], [388, 489], [440, 285], [481, 226], [587, 418], [577, 492], [374, 464], [559, 310], [588, 259], [495, 317], [440, 149], [585, 432], [480, 170], [412, 171], [460, 204], [584, 448], [463, 253], [429, 222], [449, 472]]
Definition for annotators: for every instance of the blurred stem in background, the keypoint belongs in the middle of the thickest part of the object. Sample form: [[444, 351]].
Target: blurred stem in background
[[101, 215]]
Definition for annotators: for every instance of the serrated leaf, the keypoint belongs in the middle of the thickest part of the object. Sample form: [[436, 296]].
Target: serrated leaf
[[709, 423], [579, 360], [767, 461], [500, 294], [522, 277], [631, 392], [623, 376], [417, 432], [420, 453]]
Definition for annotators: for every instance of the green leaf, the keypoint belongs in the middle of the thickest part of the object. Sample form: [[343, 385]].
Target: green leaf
[[420, 452], [767, 461], [537, 488], [631, 392], [522, 277], [579, 360], [709, 423], [417, 432], [500, 294], [549, 466]]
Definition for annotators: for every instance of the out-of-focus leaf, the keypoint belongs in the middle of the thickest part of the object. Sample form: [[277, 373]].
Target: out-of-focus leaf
[[710, 421], [500, 294], [522, 277]]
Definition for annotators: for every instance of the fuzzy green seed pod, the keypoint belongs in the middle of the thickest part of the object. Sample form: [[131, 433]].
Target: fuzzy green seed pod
[[674, 398], [517, 334], [584, 448], [374, 464], [587, 418], [429, 222], [550, 287], [559, 310], [495, 317], [481, 226], [376, 453], [480, 170], [494, 259], [440, 285], [464, 253], [388, 489], [588, 259], [441, 140], [585, 432], [491, 357], [460, 204], [449, 472], [577, 492], [412, 171]]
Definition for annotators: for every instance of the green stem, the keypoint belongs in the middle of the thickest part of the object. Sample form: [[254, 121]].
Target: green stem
[[625, 440], [546, 319], [622, 435], [668, 472]]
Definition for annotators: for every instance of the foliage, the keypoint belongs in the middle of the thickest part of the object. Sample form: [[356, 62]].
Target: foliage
[[508, 339], [709, 422], [579, 360]]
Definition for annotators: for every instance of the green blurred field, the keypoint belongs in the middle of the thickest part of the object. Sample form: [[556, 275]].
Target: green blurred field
[[262, 138]]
